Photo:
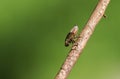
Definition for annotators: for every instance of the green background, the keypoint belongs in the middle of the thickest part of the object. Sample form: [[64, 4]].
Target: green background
[[32, 34]]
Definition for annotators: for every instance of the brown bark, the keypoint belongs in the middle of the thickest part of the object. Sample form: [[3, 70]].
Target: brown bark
[[79, 45]]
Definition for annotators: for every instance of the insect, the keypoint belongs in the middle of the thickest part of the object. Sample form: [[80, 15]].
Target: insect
[[71, 36]]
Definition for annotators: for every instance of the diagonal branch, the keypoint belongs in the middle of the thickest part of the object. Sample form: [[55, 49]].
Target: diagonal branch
[[78, 46]]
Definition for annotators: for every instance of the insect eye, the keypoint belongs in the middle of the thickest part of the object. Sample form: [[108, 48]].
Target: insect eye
[[66, 45]]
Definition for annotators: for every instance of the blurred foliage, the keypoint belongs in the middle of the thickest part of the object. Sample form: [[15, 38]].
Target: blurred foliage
[[32, 34]]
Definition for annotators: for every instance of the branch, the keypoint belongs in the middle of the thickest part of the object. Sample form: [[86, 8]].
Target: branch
[[78, 46]]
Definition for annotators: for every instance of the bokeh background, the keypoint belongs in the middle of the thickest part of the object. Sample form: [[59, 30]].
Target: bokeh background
[[32, 34]]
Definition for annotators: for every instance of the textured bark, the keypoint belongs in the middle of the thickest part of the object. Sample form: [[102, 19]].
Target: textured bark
[[78, 46]]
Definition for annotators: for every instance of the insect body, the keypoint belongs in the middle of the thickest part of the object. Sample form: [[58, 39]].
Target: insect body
[[70, 38]]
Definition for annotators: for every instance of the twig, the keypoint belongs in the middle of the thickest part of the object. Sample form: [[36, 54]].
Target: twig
[[78, 46]]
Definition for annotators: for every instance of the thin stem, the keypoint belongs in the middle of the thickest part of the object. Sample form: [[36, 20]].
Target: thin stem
[[79, 45]]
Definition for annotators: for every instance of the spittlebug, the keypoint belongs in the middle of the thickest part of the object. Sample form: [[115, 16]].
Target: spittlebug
[[71, 36]]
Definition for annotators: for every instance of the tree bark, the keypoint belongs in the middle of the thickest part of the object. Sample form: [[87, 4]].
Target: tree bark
[[79, 45]]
